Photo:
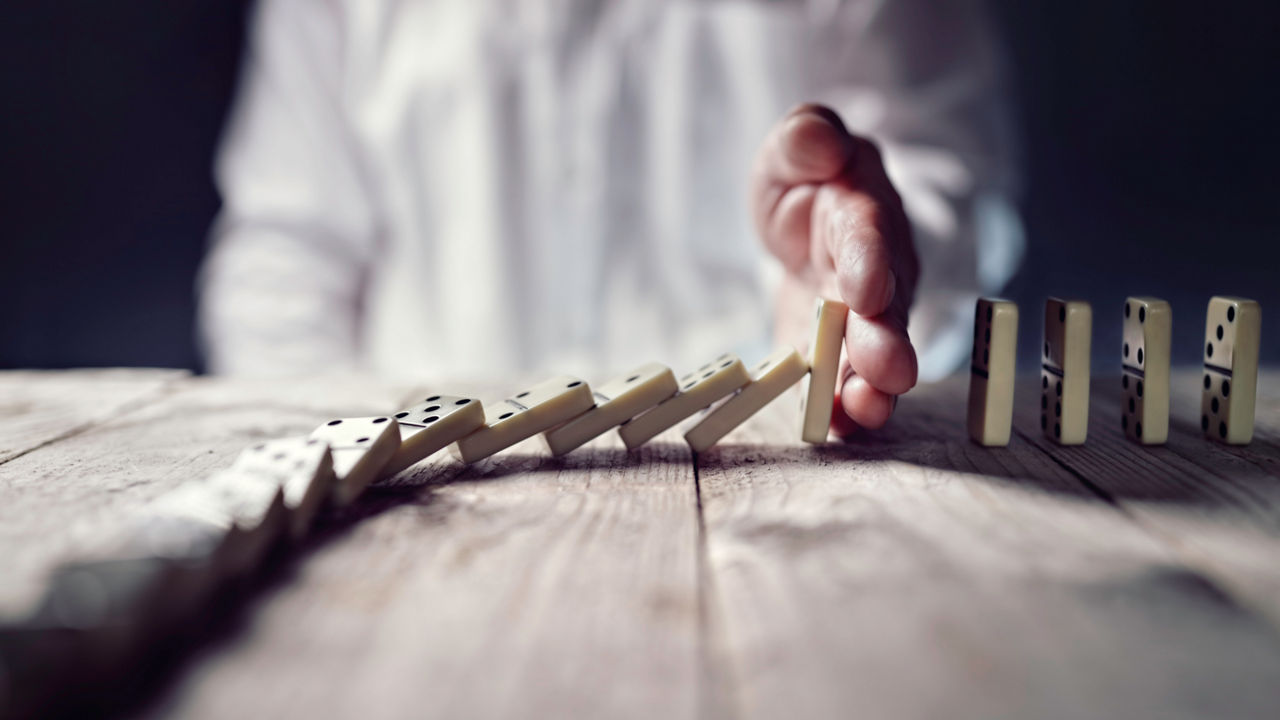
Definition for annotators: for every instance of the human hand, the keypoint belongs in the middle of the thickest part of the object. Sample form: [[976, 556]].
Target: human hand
[[825, 207]]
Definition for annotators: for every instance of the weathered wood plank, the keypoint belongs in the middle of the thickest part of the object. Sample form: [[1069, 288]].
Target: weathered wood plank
[[38, 407], [57, 498], [914, 574], [522, 586], [1218, 507]]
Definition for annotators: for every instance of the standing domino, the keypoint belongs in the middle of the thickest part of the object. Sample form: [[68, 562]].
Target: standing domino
[[432, 425], [1233, 333], [1064, 380], [698, 389], [361, 448], [995, 344], [517, 418], [772, 377], [817, 394], [302, 467], [617, 401], [1144, 358]]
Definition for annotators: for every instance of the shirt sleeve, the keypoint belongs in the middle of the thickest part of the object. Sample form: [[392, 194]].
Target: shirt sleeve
[[926, 81], [281, 287]]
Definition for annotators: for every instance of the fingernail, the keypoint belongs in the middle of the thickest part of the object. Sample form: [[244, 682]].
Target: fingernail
[[890, 287]]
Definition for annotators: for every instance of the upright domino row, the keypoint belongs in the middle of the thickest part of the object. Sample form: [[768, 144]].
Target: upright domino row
[[1232, 338], [100, 613]]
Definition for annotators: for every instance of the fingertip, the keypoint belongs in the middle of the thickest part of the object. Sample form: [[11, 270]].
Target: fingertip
[[864, 404], [881, 353], [815, 147]]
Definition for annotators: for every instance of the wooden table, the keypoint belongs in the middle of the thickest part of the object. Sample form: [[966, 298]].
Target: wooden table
[[907, 574]]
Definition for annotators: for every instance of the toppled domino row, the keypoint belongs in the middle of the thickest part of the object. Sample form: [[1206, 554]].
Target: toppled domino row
[[1233, 327], [100, 614]]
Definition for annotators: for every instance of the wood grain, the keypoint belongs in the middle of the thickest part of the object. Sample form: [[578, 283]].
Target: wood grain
[[60, 497], [41, 406], [523, 586], [1218, 507], [914, 574]]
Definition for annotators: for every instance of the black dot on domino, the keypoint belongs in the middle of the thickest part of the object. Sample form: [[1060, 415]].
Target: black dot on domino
[[988, 335], [430, 418], [1139, 388], [633, 378], [1126, 309], [989, 311], [1222, 430], [1124, 381], [1208, 349], [986, 356], [574, 384], [1139, 356], [1206, 381], [334, 422], [1044, 421], [1213, 405], [463, 401], [1142, 315], [523, 394], [1057, 430], [1226, 388], [1204, 423], [1137, 430], [1131, 405], [1057, 409], [1124, 421], [401, 414], [379, 420], [433, 398], [433, 408], [708, 374], [259, 448], [278, 456], [1059, 388], [1231, 314], [1219, 332], [1044, 402], [1044, 381], [1046, 349], [505, 415], [1126, 349], [363, 439], [686, 387], [1062, 314]]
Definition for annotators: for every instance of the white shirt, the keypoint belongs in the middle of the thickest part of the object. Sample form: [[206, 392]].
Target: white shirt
[[423, 188]]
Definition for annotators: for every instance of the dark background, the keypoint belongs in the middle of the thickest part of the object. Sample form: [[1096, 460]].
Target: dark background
[[1149, 133]]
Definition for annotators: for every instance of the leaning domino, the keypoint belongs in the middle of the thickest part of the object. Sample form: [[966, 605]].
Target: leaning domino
[[524, 415], [772, 377], [361, 448], [617, 401], [432, 425], [302, 467], [698, 389], [818, 389]]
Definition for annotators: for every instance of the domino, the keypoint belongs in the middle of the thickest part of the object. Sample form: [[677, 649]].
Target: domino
[[817, 393], [617, 401], [992, 372], [698, 389], [1144, 364], [772, 377], [361, 448], [528, 413], [1232, 336], [1064, 377], [302, 467], [432, 425], [250, 514]]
